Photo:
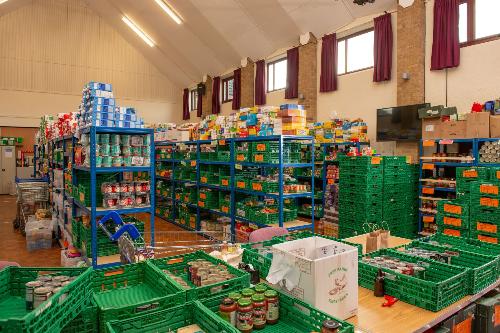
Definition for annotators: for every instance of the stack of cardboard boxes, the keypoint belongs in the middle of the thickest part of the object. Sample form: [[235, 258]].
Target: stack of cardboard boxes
[[439, 122], [293, 118]]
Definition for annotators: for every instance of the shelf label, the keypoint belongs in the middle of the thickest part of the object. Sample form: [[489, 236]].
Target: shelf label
[[487, 239], [472, 173], [428, 219], [331, 181], [203, 196], [376, 160], [489, 202], [453, 209], [177, 196], [240, 184], [451, 232], [261, 147], [452, 221], [204, 180], [259, 158], [486, 227], [257, 186], [240, 157], [238, 167], [222, 142], [428, 166], [489, 189], [445, 142], [193, 163], [498, 174], [225, 182], [201, 204], [428, 190], [225, 209], [428, 143]]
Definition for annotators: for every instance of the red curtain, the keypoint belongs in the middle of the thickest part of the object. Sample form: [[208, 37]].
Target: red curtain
[[292, 73], [260, 83], [199, 106], [185, 105], [328, 75], [237, 89], [445, 43], [382, 48], [216, 95]]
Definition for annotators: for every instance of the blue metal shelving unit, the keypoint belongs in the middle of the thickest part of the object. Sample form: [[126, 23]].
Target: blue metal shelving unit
[[441, 144], [93, 210], [232, 189]]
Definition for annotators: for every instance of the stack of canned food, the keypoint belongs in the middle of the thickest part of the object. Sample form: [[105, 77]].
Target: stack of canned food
[[41, 289]]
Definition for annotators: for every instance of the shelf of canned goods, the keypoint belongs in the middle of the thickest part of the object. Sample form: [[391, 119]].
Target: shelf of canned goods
[[240, 181], [89, 183]]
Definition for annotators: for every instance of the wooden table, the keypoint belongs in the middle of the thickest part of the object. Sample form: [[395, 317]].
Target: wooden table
[[401, 317]]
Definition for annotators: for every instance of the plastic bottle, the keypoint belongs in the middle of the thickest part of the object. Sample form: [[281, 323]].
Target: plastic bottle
[[378, 289]]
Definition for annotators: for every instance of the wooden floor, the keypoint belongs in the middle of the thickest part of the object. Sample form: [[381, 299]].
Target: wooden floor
[[13, 244]]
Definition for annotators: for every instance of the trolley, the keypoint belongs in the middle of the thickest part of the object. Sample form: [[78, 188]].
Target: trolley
[[32, 194]]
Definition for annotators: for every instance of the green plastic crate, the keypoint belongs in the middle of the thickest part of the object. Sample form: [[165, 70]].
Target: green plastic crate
[[52, 315], [453, 208], [172, 319], [223, 156], [467, 244], [296, 316], [177, 265], [85, 322], [267, 187], [128, 291], [482, 270], [242, 156], [443, 284], [472, 173]]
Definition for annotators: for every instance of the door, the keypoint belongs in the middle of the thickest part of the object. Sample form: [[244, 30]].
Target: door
[[8, 169]]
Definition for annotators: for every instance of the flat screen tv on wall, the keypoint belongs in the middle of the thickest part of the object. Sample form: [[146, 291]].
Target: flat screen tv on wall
[[399, 123]]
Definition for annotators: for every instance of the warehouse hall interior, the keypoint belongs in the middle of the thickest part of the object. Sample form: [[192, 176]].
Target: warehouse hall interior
[[225, 166]]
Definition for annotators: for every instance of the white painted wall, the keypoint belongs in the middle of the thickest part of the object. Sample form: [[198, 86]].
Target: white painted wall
[[45, 64], [476, 79]]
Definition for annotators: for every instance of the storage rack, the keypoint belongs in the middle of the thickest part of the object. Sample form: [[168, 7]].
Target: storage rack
[[95, 211], [233, 166], [59, 143], [324, 164], [437, 162]]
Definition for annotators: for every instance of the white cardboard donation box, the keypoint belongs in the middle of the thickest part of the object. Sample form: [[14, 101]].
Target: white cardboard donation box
[[320, 271]]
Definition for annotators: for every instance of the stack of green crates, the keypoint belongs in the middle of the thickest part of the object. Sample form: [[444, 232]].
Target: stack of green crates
[[82, 191], [466, 176], [453, 218], [400, 197], [360, 194], [485, 210]]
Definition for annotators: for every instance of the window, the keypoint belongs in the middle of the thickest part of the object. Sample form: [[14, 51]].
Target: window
[[478, 21], [355, 52], [193, 100], [227, 89], [276, 75]]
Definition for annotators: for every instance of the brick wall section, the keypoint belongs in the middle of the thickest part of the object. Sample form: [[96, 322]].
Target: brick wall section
[[247, 85], [307, 77], [410, 53], [206, 100]]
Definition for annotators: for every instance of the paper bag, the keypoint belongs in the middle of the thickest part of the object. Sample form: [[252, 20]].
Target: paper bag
[[372, 242], [384, 239]]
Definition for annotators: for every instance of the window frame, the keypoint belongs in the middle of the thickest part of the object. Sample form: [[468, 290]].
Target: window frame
[[471, 26], [192, 105], [274, 74], [346, 38], [225, 84]]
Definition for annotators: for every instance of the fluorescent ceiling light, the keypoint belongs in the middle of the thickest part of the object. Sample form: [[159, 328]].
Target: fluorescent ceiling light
[[3, 1], [169, 10], [148, 40]]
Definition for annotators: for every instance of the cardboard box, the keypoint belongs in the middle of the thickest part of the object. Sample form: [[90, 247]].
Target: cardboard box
[[478, 125], [292, 112], [431, 128], [495, 126], [322, 272], [453, 129], [294, 119]]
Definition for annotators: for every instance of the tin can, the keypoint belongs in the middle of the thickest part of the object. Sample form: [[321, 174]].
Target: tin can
[[30, 289], [60, 278], [44, 278], [40, 295]]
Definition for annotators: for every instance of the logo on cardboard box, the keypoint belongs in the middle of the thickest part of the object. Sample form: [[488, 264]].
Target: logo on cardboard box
[[338, 278]]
